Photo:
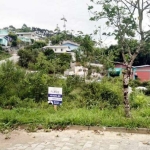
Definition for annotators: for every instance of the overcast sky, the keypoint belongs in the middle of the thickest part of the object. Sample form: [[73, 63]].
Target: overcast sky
[[47, 14]]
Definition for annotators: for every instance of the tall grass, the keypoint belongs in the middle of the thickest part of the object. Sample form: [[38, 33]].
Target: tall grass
[[49, 118]]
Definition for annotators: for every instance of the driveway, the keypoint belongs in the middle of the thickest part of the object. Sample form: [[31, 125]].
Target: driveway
[[74, 140]]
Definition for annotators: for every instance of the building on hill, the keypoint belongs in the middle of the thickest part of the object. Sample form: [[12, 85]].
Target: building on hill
[[77, 71], [3, 40], [27, 36], [138, 72], [59, 49], [71, 45], [142, 72], [118, 69]]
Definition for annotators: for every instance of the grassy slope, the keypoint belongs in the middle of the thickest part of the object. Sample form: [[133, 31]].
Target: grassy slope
[[77, 116]]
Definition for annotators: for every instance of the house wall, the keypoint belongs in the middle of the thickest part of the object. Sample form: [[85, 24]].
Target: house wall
[[79, 70], [27, 35], [3, 42], [24, 39], [3, 32], [59, 50], [143, 73]]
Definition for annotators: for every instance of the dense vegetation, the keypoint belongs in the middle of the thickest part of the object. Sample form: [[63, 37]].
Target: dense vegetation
[[23, 101], [35, 58]]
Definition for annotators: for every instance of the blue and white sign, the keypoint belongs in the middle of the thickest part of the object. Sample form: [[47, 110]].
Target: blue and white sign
[[55, 95]]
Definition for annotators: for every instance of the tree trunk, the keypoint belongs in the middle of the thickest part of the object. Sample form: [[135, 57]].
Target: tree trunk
[[126, 79]]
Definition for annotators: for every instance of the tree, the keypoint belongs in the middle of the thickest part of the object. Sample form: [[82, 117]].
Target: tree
[[25, 28], [87, 45], [126, 18], [13, 36], [142, 59], [49, 53], [12, 28], [27, 56]]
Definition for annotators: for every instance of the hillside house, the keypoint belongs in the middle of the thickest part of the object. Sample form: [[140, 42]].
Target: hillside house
[[117, 70], [77, 70], [59, 49], [140, 72], [71, 45], [27, 36], [3, 41]]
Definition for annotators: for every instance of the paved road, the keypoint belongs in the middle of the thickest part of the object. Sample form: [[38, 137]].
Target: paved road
[[13, 58], [74, 140]]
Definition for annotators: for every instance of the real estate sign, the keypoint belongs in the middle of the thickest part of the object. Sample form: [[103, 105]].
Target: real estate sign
[[55, 95]]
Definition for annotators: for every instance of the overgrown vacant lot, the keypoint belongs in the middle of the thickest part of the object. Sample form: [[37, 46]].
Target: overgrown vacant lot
[[23, 101], [46, 117]]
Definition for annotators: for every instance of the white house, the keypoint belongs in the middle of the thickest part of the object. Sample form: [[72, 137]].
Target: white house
[[96, 75], [80, 71], [59, 49], [27, 35], [76, 70]]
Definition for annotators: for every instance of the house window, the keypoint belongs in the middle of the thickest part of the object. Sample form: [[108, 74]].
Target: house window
[[61, 49], [21, 34], [55, 49]]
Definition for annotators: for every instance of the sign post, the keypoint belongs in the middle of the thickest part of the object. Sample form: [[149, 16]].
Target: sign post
[[55, 96]]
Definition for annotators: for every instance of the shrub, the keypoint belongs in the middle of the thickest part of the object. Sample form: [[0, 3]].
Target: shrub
[[111, 94], [138, 100], [135, 83], [103, 94], [13, 101]]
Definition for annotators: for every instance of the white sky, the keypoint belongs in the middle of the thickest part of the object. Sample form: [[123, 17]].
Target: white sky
[[46, 14]]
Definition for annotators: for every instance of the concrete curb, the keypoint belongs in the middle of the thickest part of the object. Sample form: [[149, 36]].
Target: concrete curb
[[110, 129]]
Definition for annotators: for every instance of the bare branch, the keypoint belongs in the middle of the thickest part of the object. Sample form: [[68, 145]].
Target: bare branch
[[126, 5], [146, 7], [131, 3], [114, 62], [140, 48]]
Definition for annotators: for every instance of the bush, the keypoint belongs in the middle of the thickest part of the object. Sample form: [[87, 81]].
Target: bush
[[112, 95], [103, 94], [135, 83], [13, 101], [138, 100]]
